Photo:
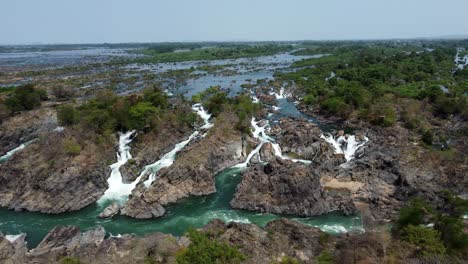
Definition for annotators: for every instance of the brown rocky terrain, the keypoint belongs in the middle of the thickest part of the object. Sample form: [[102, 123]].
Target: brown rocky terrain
[[392, 167], [193, 172], [279, 240], [287, 187], [46, 177], [149, 147], [24, 127]]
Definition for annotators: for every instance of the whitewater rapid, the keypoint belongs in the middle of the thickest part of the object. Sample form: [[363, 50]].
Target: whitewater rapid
[[118, 189], [347, 145], [259, 133]]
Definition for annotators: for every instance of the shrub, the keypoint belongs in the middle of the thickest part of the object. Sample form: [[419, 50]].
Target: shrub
[[204, 249], [215, 103], [309, 99], [71, 147], [69, 260], [426, 240], [382, 115], [427, 137], [67, 115], [140, 114], [25, 97], [325, 258], [289, 260], [413, 214], [61, 92]]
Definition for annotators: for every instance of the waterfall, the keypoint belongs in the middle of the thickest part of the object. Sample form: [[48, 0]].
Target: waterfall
[[198, 108], [259, 133], [165, 161], [169, 158], [13, 151], [118, 189], [281, 95], [345, 145]]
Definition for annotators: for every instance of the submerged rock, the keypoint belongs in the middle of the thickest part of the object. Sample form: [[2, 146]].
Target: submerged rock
[[110, 211]]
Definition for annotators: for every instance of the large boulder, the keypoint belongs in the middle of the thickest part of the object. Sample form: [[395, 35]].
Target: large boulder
[[286, 187]]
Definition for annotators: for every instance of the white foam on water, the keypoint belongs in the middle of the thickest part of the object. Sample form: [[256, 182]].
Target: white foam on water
[[169, 158], [255, 99], [198, 108], [345, 145], [165, 161], [336, 229], [281, 95], [12, 238], [259, 133], [118, 189]]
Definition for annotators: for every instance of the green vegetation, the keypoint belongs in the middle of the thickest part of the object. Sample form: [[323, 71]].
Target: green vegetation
[[289, 260], [71, 146], [207, 250], [166, 54], [67, 115], [425, 239], [107, 113], [446, 233], [25, 97], [325, 258], [371, 79], [69, 260], [7, 89], [216, 101]]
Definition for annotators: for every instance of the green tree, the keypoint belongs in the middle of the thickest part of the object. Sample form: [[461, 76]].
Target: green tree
[[426, 240], [140, 114], [204, 249], [67, 115]]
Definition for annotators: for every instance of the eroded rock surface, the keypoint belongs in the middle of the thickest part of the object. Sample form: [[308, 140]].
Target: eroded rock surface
[[42, 177], [287, 187], [192, 172]]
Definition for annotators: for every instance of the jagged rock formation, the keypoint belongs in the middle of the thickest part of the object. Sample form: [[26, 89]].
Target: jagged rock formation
[[286, 187], [280, 239], [192, 172], [43, 178], [149, 147], [25, 127]]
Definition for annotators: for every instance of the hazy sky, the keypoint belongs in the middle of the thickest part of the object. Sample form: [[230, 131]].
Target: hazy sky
[[97, 21]]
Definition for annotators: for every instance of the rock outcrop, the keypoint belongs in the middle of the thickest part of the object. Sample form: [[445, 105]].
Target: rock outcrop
[[43, 177], [192, 172], [286, 187], [24, 127], [149, 147], [110, 211], [280, 240]]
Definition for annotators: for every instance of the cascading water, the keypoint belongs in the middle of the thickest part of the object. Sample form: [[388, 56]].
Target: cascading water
[[345, 145], [165, 161], [118, 189], [259, 133], [13, 151], [169, 157]]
